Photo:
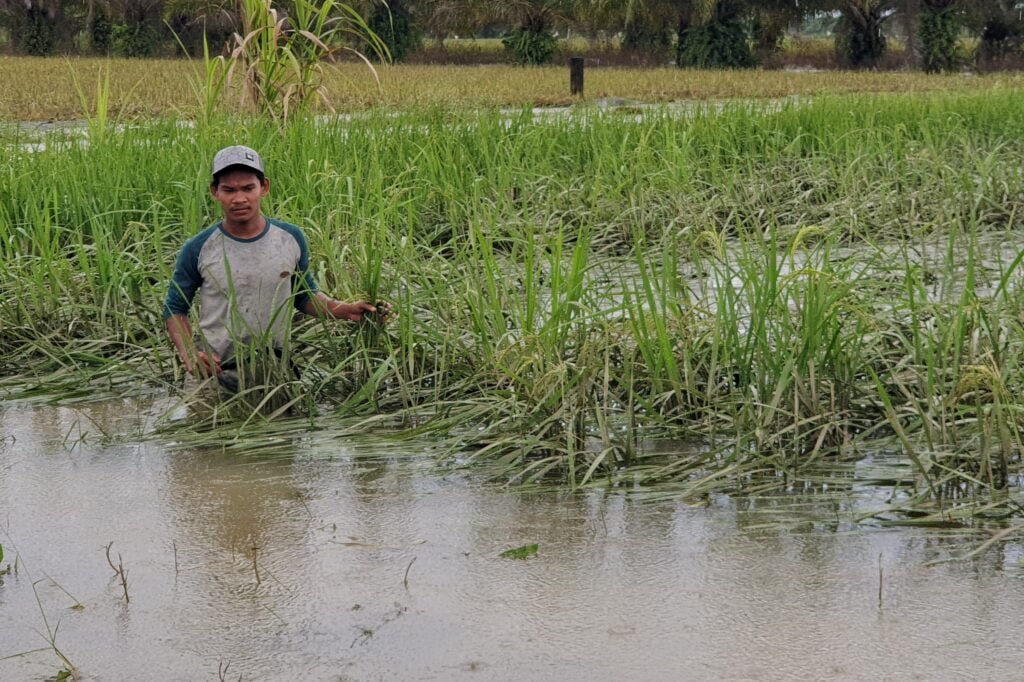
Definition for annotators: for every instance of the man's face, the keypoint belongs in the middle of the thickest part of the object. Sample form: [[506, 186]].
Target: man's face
[[239, 193]]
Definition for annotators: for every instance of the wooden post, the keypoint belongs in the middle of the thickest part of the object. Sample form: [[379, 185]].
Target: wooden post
[[576, 76]]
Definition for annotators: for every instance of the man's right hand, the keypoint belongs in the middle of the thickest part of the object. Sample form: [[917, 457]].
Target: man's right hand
[[206, 365]]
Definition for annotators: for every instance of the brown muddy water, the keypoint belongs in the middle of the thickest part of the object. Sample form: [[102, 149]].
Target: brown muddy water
[[374, 564]]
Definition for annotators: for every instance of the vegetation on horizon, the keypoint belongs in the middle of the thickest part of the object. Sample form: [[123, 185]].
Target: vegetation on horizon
[[691, 33]]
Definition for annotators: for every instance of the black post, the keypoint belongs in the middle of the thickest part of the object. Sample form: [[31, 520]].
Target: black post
[[576, 76]]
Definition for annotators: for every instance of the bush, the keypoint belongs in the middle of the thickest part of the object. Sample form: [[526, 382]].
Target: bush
[[647, 37], [529, 47], [717, 45], [1000, 39], [860, 44], [32, 31], [134, 40], [938, 32], [101, 32], [396, 28]]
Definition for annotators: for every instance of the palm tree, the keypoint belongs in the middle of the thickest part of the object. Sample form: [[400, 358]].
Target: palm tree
[[859, 36], [712, 34], [194, 21], [35, 26], [442, 18], [709, 33], [938, 25], [771, 18], [999, 24], [530, 39]]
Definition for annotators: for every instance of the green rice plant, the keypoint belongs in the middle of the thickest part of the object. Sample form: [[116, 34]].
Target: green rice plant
[[97, 112], [664, 325], [789, 325], [569, 288], [534, 339], [953, 372], [208, 85]]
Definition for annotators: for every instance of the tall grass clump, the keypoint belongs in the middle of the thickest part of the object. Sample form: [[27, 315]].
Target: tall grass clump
[[282, 58], [776, 284]]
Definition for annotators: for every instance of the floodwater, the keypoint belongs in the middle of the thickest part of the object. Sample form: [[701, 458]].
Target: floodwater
[[374, 564]]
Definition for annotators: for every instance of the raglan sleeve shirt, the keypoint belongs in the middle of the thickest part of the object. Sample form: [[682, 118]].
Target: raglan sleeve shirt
[[242, 283], [186, 280]]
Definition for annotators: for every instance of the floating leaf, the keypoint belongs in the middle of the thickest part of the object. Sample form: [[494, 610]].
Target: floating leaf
[[520, 552]]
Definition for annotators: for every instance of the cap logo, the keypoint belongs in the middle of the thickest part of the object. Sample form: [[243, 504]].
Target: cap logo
[[236, 156]]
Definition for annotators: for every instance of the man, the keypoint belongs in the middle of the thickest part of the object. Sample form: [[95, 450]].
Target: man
[[250, 271]]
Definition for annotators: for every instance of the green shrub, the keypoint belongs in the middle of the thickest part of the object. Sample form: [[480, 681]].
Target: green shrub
[[32, 31], [938, 32], [134, 40], [101, 32], [717, 45], [396, 27], [647, 36], [529, 47], [860, 44]]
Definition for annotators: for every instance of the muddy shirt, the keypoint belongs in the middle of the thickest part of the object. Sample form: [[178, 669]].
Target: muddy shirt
[[247, 287]]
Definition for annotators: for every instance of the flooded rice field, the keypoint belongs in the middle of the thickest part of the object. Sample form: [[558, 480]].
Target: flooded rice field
[[359, 559]]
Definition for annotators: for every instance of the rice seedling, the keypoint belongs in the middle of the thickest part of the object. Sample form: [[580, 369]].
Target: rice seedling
[[68, 670], [781, 286]]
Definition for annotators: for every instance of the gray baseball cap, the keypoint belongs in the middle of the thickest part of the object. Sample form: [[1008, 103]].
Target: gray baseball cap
[[237, 156]]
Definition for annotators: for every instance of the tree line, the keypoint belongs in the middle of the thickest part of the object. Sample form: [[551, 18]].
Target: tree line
[[692, 33]]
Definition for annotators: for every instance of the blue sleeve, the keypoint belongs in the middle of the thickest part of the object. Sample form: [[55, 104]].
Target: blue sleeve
[[185, 281], [303, 283]]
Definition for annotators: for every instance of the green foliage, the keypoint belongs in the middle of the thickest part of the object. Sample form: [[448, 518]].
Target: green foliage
[[647, 36], [134, 40], [860, 43], [397, 29], [208, 85], [529, 46], [1001, 35], [101, 32], [33, 31], [715, 45], [524, 552], [938, 32]]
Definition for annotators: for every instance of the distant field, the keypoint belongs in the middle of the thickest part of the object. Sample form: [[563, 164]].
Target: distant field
[[39, 89]]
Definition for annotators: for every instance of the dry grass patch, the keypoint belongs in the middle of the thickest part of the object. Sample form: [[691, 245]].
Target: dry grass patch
[[42, 89]]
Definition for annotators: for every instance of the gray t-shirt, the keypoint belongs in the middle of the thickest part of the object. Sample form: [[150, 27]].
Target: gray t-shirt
[[247, 287]]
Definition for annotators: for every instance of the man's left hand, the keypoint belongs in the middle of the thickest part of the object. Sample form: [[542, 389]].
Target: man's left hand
[[352, 311]]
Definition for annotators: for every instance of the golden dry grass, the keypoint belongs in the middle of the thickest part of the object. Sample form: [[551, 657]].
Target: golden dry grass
[[40, 89]]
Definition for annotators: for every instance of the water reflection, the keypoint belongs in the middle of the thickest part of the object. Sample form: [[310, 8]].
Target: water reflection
[[373, 565]]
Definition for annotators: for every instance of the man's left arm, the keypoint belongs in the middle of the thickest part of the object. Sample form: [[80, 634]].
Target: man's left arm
[[322, 305], [310, 300]]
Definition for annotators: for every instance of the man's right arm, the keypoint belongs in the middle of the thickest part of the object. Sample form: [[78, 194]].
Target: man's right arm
[[185, 281]]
